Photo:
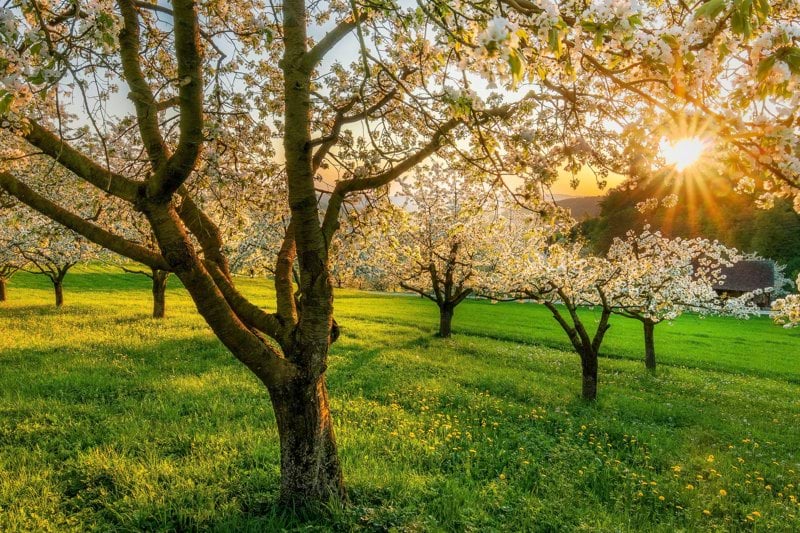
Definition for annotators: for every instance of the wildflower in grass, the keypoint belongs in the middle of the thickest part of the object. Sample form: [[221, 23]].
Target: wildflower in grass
[[706, 512], [661, 498], [723, 492], [676, 468], [756, 514], [502, 476], [710, 458], [689, 487]]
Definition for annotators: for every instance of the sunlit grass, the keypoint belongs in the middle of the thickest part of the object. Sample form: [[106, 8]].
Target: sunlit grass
[[110, 420]]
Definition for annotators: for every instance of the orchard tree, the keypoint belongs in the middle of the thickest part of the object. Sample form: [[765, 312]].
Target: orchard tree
[[786, 310], [538, 262], [722, 75], [51, 251], [657, 279], [449, 232], [563, 278], [134, 229], [158, 279], [199, 75], [10, 259]]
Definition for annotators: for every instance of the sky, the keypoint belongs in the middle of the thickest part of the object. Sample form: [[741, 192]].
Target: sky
[[586, 187]]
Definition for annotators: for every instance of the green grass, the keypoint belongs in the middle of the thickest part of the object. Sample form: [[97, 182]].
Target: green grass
[[110, 420]]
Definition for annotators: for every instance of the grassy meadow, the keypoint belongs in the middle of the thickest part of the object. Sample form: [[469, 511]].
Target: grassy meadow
[[113, 421]]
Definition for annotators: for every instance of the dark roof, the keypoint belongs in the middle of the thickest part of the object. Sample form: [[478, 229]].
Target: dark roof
[[748, 276]]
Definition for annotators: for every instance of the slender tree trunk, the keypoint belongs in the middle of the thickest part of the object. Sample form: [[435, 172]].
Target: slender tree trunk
[[445, 320], [3, 296], [310, 469], [159, 292], [589, 368], [649, 345], [58, 288]]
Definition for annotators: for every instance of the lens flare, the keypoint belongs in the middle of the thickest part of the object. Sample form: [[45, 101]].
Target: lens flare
[[683, 153]]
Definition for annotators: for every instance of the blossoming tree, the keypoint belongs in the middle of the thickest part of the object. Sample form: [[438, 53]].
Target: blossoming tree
[[657, 279], [726, 72], [10, 259], [51, 251], [563, 278], [449, 234], [786, 310]]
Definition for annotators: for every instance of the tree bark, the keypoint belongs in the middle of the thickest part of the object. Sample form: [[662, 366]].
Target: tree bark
[[3, 296], [589, 368], [649, 345], [310, 469], [58, 288], [445, 320], [159, 292]]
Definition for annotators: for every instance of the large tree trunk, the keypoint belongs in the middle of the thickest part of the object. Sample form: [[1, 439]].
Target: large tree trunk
[[649, 345], [3, 289], [58, 288], [445, 320], [159, 292], [589, 368], [310, 469]]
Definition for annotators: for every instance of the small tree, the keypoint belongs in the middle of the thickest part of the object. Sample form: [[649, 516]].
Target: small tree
[[136, 231], [10, 259], [158, 279], [563, 278], [657, 279], [451, 226], [52, 250]]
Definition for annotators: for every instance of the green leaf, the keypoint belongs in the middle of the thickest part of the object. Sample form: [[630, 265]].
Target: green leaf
[[516, 62], [670, 40], [762, 71], [762, 10], [740, 18], [711, 9], [6, 99], [791, 56], [554, 41]]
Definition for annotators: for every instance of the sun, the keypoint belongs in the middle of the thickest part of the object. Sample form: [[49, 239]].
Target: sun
[[683, 153]]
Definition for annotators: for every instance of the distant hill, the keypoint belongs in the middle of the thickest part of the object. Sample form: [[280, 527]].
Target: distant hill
[[582, 207]]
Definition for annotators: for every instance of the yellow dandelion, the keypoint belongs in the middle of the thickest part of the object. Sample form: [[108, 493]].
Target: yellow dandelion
[[706, 512], [756, 514], [502, 476], [710, 458], [661, 498], [689, 487], [723, 492]]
